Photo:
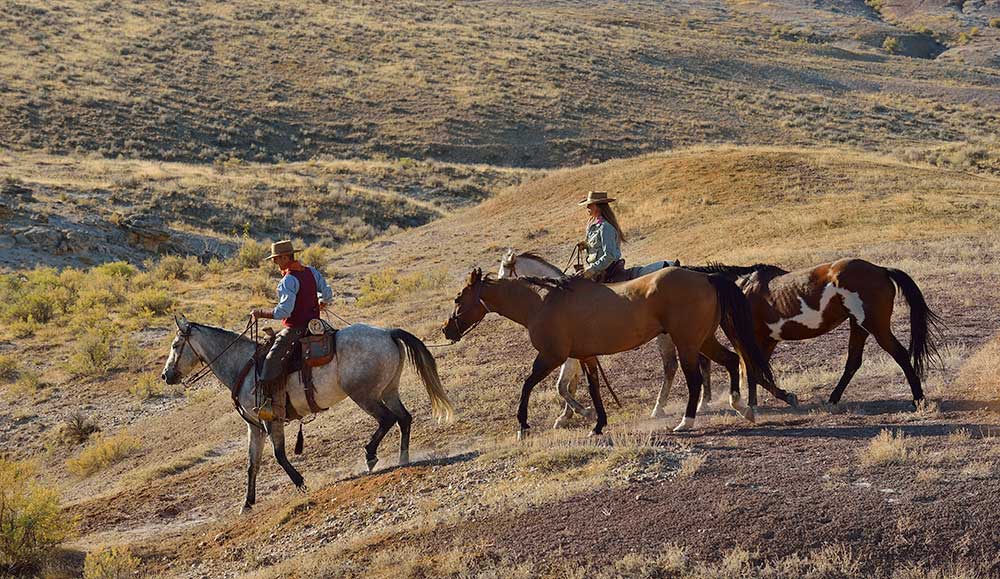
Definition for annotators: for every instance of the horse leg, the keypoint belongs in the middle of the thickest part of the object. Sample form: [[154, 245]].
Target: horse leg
[[780, 394], [386, 420], [668, 353], [705, 365], [890, 344], [569, 376], [542, 367], [255, 448], [404, 419], [692, 375], [276, 432], [716, 352], [594, 387], [855, 350]]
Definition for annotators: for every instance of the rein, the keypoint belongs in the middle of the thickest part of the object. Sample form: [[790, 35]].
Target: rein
[[573, 254], [207, 368]]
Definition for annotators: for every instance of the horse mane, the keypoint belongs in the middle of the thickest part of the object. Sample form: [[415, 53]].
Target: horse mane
[[763, 269], [532, 255], [549, 283], [218, 330]]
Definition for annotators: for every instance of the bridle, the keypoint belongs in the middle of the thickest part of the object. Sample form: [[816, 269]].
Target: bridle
[[207, 368], [456, 315]]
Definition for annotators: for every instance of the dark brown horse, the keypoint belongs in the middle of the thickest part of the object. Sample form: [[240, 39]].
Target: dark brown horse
[[808, 303], [582, 319]]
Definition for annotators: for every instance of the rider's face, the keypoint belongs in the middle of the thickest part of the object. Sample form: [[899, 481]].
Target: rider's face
[[594, 210], [282, 261]]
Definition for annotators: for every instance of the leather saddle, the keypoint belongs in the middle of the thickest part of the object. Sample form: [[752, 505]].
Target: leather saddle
[[306, 353], [617, 271]]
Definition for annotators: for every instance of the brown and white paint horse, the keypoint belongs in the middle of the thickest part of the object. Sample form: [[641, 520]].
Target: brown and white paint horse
[[808, 303], [582, 319]]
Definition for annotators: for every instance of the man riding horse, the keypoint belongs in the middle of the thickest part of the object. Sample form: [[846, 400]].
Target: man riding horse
[[302, 294]]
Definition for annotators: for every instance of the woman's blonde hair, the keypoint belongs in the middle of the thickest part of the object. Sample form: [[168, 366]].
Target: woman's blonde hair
[[608, 214]]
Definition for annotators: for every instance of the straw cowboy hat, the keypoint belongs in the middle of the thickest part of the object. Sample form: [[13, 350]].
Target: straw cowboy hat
[[597, 197], [280, 248]]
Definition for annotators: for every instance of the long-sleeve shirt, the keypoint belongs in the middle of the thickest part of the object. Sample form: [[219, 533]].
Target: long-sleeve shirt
[[288, 288], [602, 245]]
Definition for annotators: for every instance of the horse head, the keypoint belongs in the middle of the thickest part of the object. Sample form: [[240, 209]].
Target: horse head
[[182, 359], [469, 307], [507, 265]]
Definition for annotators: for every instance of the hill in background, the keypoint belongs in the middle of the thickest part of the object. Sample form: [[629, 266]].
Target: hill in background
[[537, 84]]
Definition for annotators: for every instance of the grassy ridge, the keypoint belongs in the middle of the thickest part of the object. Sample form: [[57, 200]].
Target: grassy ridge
[[529, 83]]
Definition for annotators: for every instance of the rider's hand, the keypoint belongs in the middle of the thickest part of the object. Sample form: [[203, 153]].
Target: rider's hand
[[582, 245], [322, 305], [258, 314], [578, 267]]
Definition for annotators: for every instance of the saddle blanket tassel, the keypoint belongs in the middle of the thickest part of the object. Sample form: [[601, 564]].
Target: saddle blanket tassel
[[298, 440]]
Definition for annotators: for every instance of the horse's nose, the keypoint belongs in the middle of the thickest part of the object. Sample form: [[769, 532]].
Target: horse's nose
[[163, 376]]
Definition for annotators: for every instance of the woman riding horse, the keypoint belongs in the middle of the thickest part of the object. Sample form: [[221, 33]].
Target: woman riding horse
[[603, 240]]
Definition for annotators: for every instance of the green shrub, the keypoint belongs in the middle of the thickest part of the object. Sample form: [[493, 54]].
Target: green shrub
[[116, 269], [102, 452], [388, 286], [174, 267], [315, 255], [38, 305], [890, 44], [8, 369], [26, 385], [23, 328], [995, 22], [31, 520], [154, 300], [92, 354], [146, 387], [110, 563], [251, 254]]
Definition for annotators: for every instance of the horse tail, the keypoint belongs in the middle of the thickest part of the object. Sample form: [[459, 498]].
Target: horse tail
[[737, 323], [925, 325], [423, 362]]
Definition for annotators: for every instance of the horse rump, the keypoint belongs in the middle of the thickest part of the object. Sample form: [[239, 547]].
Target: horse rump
[[925, 325]]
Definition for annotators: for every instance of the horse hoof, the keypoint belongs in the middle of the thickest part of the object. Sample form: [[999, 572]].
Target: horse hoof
[[589, 413], [522, 434], [245, 509], [657, 413], [561, 422], [371, 464], [792, 400], [594, 433], [404, 459], [685, 425]]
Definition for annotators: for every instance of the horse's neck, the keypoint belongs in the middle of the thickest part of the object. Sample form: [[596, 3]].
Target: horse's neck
[[229, 364], [513, 300], [527, 266]]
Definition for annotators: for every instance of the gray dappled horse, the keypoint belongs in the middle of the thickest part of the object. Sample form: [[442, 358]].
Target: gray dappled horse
[[530, 264], [366, 369]]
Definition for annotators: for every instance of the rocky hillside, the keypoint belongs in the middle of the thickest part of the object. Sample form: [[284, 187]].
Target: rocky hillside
[[59, 211], [535, 84]]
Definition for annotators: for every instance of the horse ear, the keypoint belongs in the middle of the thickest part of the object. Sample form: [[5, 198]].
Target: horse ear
[[182, 323]]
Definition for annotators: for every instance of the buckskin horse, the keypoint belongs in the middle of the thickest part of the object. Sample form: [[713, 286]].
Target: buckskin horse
[[367, 369], [810, 302], [582, 319], [529, 264]]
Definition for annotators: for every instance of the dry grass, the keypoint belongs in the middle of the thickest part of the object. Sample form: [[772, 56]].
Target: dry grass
[[691, 464], [101, 453], [887, 448]]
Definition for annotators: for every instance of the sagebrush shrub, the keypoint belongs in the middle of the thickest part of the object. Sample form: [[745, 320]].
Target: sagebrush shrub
[[251, 254], [31, 520], [110, 563], [102, 452], [154, 300]]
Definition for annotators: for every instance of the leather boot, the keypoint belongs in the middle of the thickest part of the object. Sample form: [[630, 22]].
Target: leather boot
[[273, 406]]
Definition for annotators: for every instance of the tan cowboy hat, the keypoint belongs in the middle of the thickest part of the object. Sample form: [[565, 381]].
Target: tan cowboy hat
[[597, 197], [283, 247]]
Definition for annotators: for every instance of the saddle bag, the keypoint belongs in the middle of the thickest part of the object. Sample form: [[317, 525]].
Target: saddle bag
[[319, 349]]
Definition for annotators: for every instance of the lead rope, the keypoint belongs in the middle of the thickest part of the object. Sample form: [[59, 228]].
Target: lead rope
[[607, 383]]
